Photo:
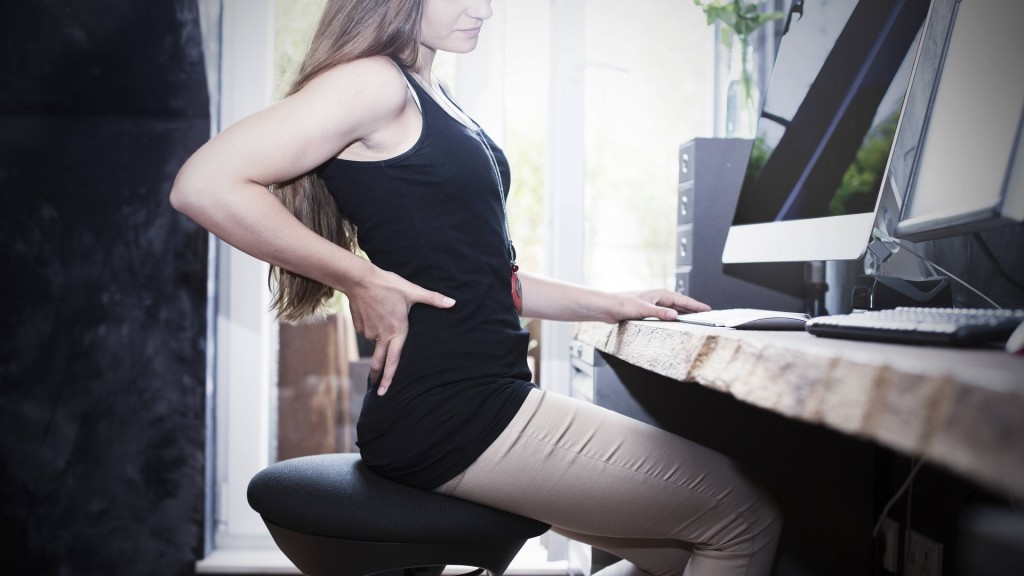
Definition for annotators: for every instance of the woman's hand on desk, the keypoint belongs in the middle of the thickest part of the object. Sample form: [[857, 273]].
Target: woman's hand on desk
[[660, 304]]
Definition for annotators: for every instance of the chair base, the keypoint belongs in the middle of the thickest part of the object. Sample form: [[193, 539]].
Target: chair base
[[325, 556]]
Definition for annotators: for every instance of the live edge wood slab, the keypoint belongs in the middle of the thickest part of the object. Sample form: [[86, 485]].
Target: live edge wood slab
[[962, 409]]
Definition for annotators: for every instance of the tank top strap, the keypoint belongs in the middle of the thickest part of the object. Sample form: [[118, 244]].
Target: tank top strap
[[414, 87], [420, 93]]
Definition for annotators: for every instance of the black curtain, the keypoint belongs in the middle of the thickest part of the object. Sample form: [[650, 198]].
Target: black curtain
[[102, 356]]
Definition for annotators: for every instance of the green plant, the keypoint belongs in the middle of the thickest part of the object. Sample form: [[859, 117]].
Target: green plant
[[739, 19]]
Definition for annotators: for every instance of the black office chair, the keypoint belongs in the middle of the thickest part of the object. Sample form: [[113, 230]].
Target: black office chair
[[332, 516]]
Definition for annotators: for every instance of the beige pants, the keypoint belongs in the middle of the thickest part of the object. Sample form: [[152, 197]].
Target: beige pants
[[666, 505]]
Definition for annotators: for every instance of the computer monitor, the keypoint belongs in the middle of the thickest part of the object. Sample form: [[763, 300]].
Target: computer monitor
[[960, 165], [825, 132]]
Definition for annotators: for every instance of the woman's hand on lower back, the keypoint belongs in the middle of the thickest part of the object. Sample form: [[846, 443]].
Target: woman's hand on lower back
[[380, 312]]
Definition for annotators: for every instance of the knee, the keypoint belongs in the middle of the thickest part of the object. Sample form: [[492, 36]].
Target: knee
[[773, 518], [753, 523], [758, 522], [752, 543], [766, 521]]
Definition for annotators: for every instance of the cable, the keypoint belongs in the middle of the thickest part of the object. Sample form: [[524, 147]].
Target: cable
[[889, 504], [885, 237], [987, 251]]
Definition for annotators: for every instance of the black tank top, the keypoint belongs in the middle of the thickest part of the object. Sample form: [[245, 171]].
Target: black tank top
[[433, 215]]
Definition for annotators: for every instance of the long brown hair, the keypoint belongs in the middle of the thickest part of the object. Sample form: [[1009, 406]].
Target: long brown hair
[[348, 30]]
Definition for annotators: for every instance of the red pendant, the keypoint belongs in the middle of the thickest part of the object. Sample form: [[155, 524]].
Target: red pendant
[[517, 290]]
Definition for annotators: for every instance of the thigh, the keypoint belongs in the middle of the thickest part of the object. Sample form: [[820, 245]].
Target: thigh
[[585, 469]]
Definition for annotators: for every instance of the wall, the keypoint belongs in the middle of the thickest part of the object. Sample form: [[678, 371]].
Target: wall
[[102, 357]]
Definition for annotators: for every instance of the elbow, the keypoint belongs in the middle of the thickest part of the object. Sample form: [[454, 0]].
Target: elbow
[[184, 195], [177, 198]]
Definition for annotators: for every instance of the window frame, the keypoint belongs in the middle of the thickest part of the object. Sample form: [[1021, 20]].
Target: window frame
[[240, 403]]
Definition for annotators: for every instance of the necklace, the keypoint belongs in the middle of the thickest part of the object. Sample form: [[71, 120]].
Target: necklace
[[516, 285], [440, 96]]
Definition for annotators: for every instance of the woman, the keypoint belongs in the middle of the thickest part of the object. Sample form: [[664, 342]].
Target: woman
[[368, 140]]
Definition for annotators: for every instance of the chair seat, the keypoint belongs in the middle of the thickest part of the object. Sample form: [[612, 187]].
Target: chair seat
[[337, 496]]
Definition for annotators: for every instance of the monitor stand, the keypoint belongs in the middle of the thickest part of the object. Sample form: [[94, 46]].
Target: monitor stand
[[815, 287], [878, 292]]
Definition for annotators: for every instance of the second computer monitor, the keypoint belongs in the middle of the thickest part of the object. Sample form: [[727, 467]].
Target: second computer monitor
[[960, 163]]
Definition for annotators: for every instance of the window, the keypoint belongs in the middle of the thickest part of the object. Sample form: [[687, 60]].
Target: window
[[646, 93], [244, 343], [589, 99]]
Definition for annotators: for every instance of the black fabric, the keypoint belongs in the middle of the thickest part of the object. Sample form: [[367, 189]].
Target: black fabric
[[433, 215], [336, 495]]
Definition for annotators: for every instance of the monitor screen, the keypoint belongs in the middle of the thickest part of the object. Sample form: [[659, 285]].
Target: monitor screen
[[825, 132]]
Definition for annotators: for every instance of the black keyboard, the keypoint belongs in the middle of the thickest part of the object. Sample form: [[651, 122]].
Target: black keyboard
[[938, 326]]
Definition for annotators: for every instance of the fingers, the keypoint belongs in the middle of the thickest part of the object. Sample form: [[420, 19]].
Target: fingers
[[377, 360], [388, 349], [382, 316], [384, 362], [664, 305], [662, 313], [680, 302], [435, 299], [394, 351]]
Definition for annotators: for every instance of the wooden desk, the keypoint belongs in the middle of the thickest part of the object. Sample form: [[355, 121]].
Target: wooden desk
[[962, 409]]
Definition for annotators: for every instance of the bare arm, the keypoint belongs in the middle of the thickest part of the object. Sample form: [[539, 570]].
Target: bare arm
[[224, 188], [549, 299]]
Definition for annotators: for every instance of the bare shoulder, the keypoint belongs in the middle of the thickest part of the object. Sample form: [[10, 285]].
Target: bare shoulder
[[374, 87], [353, 104]]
